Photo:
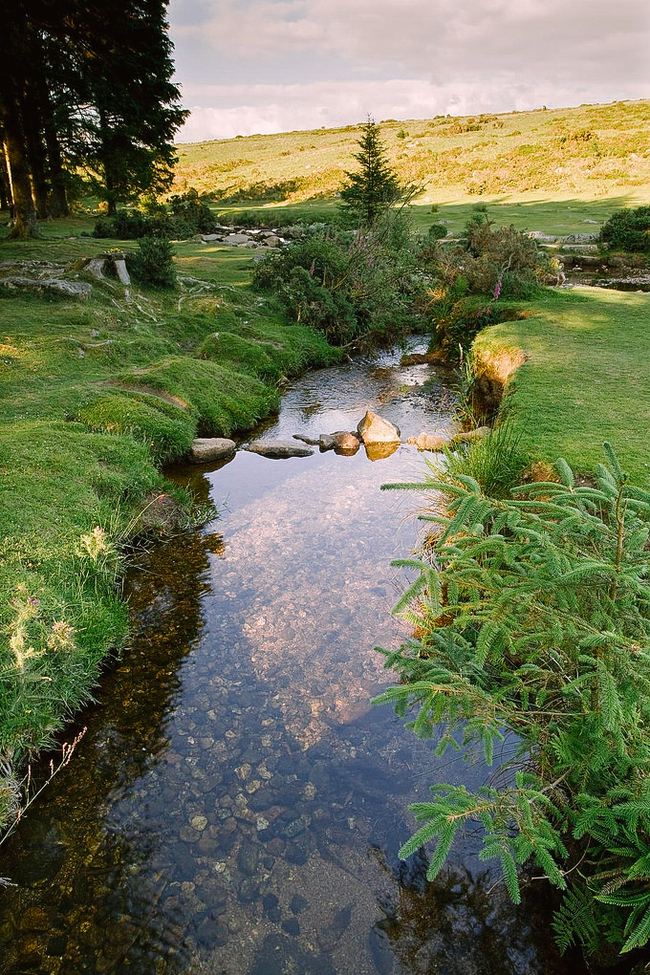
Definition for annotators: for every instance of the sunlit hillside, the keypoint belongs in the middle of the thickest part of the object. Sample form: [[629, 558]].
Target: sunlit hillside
[[590, 152]]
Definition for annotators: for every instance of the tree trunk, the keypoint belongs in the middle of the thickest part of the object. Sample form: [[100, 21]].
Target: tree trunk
[[5, 194], [36, 155], [59, 206], [58, 203], [26, 223]]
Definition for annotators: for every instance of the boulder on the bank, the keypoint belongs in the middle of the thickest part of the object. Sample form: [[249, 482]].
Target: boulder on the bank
[[374, 429], [211, 448], [430, 441], [235, 239], [279, 449]]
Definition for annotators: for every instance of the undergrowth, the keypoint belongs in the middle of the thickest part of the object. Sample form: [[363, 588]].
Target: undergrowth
[[531, 621]]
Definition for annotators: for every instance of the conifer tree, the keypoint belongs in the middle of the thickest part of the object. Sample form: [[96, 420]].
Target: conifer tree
[[86, 85], [531, 620], [373, 189]]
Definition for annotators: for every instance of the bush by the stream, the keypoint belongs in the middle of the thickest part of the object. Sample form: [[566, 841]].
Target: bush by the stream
[[183, 216], [476, 281], [628, 230], [531, 620], [348, 285]]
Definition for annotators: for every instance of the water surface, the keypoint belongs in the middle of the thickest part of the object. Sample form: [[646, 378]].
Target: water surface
[[237, 804]]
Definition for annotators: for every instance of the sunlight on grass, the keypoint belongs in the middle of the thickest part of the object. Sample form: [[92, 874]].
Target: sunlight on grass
[[585, 378]]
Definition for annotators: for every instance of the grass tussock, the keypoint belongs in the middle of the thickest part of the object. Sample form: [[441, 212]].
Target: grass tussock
[[496, 462]]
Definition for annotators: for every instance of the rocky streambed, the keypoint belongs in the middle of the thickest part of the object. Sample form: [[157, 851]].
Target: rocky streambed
[[236, 804]]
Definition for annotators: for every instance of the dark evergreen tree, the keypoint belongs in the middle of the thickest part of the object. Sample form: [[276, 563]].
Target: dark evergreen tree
[[17, 44], [133, 107], [85, 85], [374, 188]]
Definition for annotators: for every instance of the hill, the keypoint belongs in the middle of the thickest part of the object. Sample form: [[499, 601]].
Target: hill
[[593, 152]]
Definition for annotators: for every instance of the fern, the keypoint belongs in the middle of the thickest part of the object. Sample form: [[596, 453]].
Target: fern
[[575, 922], [533, 619]]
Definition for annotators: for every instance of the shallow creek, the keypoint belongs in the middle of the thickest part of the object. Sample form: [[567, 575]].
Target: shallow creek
[[236, 804]]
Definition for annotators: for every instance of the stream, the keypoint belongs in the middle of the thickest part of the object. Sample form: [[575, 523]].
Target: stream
[[236, 804]]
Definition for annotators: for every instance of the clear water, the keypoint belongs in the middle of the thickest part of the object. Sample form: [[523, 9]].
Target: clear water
[[236, 804]]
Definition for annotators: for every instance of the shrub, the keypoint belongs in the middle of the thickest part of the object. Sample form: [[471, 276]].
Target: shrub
[[472, 281], [185, 215], [153, 263], [348, 285], [628, 229], [189, 216], [126, 225], [532, 622], [437, 231]]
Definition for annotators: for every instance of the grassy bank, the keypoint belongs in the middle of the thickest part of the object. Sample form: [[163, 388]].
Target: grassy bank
[[96, 396], [584, 379]]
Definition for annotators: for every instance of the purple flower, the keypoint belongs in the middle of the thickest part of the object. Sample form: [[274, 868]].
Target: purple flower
[[497, 289]]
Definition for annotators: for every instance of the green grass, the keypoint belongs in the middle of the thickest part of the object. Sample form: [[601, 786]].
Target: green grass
[[585, 380]]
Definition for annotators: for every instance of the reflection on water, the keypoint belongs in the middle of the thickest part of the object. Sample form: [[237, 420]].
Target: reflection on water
[[236, 804]]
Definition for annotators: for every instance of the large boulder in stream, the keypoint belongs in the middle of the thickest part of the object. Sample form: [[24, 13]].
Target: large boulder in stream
[[374, 429]]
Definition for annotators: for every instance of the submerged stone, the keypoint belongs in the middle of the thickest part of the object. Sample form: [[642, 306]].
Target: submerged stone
[[429, 441]]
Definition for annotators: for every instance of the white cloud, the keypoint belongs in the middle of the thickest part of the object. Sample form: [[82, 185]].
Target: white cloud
[[223, 112], [287, 64]]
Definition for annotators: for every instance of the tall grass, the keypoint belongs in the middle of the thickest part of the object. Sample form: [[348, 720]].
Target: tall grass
[[497, 461]]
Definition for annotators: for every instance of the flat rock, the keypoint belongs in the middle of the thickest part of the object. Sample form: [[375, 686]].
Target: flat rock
[[375, 429], [279, 449], [78, 290], [211, 448], [236, 239], [430, 441]]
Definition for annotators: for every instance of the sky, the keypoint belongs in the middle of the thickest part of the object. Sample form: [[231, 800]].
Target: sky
[[261, 66]]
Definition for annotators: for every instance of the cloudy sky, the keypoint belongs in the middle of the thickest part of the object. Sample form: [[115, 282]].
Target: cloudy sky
[[261, 66]]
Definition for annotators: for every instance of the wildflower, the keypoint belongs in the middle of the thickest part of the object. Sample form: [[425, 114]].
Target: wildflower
[[96, 543], [497, 289], [61, 636]]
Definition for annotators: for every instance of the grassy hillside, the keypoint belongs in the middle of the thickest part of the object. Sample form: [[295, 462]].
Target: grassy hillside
[[594, 153]]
